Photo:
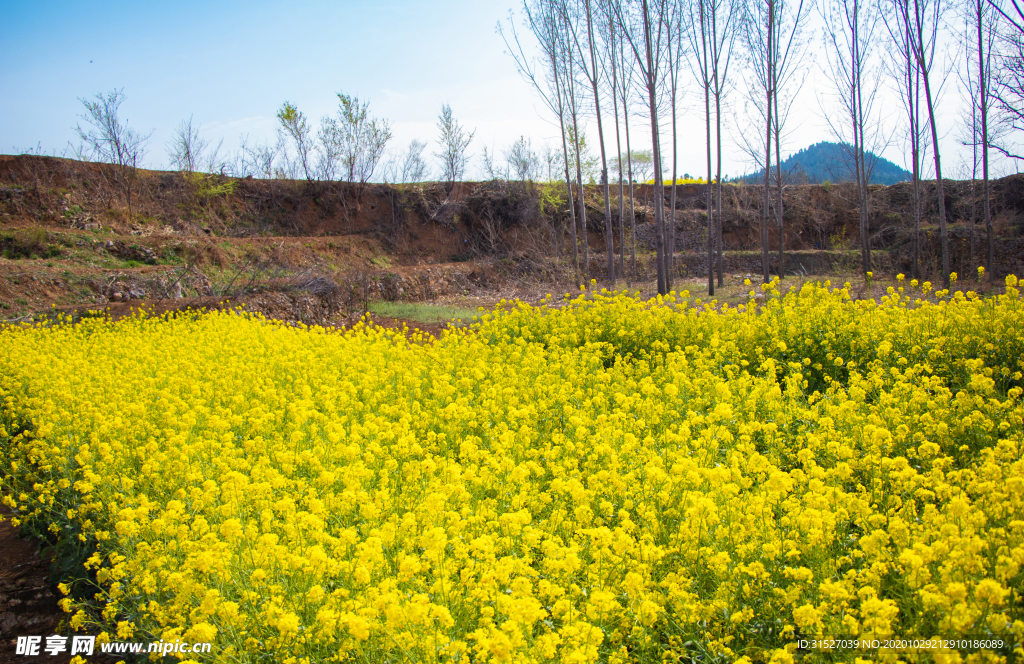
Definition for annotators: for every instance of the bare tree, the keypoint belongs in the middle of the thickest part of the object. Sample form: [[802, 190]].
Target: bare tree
[[724, 15], [584, 51], [549, 159], [969, 138], [675, 52], [544, 22], [490, 170], [414, 166], [788, 59], [773, 32], [577, 145], [699, 36], [1015, 16], [981, 28], [350, 146], [922, 19], [523, 162], [1008, 90], [296, 127], [610, 39], [109, 139], [760, 35], [186, 147], [355, 138], [626, 88], [645, 34], [256, 159], [454, 143], [329, 149], [904, 71], [850, 27]]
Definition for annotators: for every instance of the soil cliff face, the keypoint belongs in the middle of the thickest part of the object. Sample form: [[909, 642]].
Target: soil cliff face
[[433, 222]]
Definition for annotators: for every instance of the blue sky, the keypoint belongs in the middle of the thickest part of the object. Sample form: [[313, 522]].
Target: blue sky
[[230, 65]]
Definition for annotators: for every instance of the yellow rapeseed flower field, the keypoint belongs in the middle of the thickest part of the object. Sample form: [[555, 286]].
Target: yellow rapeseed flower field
[[613, 480]]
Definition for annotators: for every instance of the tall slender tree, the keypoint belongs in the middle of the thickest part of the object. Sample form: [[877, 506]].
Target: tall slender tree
[[571, 92], [773, 32], [585, 50], [1008, 87], [850, 36], [645, 35], [760, 35], [626, 88], [545, 23], [924, 18], [904, 71], [980, 36], [724, 21], [675, 52], [613, 58], [789, 63], [699, 36]]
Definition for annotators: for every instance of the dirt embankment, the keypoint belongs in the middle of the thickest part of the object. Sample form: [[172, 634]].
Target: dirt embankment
[[67, 236]]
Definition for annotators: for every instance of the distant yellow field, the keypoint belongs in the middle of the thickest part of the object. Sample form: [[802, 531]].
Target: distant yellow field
[[613, 481]]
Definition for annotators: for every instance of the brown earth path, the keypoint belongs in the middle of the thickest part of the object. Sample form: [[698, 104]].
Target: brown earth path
[[28, 601]]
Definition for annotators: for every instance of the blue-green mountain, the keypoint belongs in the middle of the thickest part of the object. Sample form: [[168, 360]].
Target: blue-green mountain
[[832, 162]]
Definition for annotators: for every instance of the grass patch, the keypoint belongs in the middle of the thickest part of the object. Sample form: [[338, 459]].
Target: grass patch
[[28, 243], [422, 313]]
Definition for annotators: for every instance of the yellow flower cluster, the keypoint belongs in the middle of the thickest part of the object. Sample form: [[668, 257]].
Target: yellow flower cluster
[[612, 480]]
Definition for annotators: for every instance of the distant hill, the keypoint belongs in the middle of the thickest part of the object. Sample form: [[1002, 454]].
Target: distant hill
[[830, 161]]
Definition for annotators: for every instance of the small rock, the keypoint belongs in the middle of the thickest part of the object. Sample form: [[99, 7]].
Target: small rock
[[116, 297]]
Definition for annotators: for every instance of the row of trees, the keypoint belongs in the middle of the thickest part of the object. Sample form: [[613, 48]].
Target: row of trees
[[597, 54], [349, 147]]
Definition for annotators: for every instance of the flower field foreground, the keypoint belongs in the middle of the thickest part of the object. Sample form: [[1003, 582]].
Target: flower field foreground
[[611, 481]]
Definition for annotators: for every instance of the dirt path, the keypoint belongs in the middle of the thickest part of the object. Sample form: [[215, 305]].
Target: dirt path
[[28, 602]]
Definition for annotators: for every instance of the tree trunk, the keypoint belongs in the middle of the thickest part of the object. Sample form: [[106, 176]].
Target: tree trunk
[[718, 188], [670, 239], [778, 187], [914, 103], [983, 81], [974, 188], [865, 193], [629, 167], [568, 177], [710, 196], [659, 195], [768, 145], [609, 236], [579, 178], [618, 151], [943, 230], [632, 198]]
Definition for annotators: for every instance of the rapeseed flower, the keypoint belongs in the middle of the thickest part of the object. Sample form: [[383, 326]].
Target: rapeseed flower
[[611, 481]]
